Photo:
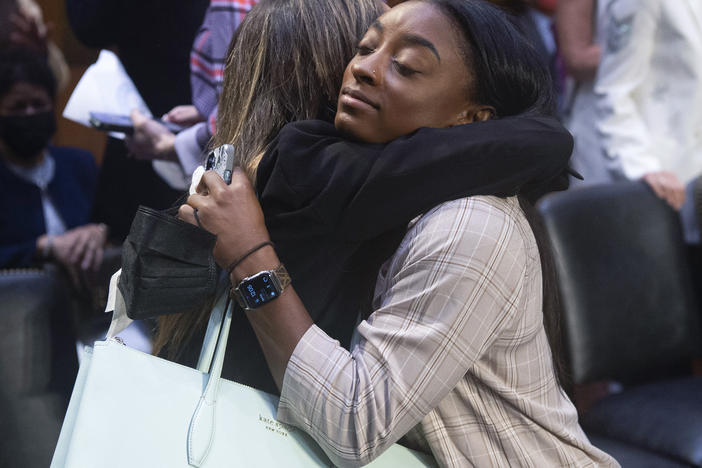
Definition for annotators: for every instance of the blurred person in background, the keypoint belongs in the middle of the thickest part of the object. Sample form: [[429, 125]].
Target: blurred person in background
[[579, 44], [635, 112], [581, 36], [152, 140], [22, 25], [628, 122], [46, 192], [153, 40]]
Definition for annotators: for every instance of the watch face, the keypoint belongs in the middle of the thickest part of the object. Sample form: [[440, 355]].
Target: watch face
[[258, 290]]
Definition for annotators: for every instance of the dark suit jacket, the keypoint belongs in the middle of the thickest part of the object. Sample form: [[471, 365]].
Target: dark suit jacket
[[21, 213]]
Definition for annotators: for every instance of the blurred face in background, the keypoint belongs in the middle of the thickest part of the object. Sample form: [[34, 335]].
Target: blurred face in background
[[27, 123], [25, 99]]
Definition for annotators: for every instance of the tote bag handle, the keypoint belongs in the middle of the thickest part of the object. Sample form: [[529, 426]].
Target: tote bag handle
[[214, 325], [202, 424], [214, 346]]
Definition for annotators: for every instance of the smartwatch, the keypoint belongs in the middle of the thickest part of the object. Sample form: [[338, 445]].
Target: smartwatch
[[258, 290]]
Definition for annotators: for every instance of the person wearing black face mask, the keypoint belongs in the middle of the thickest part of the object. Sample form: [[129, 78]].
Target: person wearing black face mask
[[45, 191], [26, 135]]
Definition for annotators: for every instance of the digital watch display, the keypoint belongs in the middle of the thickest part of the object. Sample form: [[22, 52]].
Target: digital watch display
[[260, 289]]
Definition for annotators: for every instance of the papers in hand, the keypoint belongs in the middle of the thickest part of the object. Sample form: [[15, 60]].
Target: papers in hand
[[104, 87]]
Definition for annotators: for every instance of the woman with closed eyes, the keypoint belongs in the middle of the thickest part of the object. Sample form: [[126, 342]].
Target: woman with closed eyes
[[455, 356], [348, 200]]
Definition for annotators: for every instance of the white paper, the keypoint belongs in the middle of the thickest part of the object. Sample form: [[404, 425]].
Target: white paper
[[116, 305], [104, 87]]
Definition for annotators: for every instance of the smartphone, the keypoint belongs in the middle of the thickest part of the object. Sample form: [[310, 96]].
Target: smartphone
[[122, 123], [221, 160]]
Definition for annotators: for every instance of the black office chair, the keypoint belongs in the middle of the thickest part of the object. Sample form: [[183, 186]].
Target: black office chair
[[629, 316]]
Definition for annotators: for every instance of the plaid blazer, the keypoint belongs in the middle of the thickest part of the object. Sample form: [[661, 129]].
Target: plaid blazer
[[454, 357]]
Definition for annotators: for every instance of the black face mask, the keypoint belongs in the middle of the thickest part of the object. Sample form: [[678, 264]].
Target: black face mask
[[27, 135], [167, 266]]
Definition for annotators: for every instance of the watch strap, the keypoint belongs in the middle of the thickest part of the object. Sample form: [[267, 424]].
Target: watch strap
[[282, 278], [236, 295]]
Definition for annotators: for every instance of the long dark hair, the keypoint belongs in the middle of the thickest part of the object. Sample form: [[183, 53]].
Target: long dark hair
[[509, 76], [285, 63]]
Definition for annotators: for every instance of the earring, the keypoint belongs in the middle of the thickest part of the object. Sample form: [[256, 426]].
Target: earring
[[374, 72]]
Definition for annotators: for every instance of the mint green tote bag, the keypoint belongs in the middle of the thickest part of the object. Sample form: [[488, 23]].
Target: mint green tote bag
[[131, 409]]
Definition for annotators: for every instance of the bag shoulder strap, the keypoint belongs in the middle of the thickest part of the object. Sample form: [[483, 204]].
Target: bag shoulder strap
[[214, 325], [202, 424]]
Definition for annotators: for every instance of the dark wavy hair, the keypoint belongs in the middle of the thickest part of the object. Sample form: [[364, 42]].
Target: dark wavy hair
[[18, 65], [285, 63]]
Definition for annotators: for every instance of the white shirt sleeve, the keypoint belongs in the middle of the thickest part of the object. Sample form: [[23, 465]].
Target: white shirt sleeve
[[630, 32], [189, 149]]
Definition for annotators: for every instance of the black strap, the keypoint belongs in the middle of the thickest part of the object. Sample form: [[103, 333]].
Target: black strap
[[236, 263]]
